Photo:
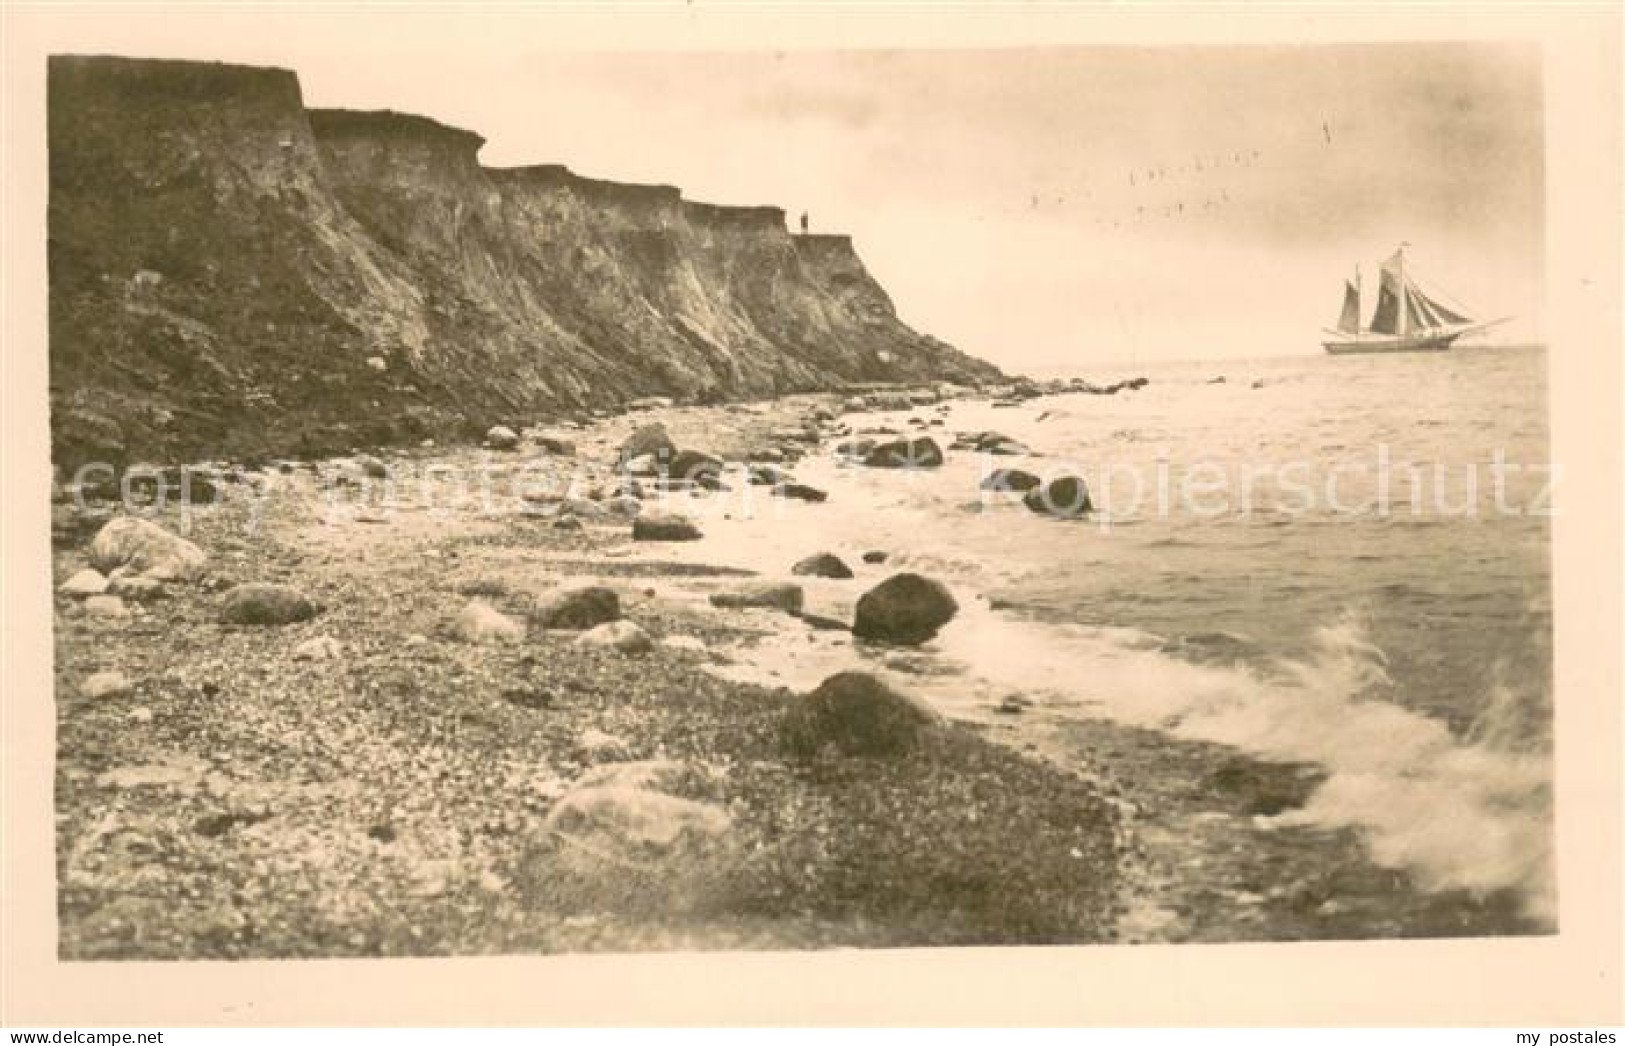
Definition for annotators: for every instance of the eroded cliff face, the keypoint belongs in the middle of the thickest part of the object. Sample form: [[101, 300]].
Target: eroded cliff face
[[233, 274]]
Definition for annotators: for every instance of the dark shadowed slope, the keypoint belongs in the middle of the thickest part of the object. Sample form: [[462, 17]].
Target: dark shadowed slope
[[233, 274]]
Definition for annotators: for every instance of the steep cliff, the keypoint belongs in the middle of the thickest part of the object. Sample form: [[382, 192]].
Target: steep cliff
[[231, 273]]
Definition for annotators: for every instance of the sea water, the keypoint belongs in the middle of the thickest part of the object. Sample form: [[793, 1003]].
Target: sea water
[[1335, 560]]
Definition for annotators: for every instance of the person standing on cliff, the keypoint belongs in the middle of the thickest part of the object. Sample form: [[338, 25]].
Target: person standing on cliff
[[803, 223]]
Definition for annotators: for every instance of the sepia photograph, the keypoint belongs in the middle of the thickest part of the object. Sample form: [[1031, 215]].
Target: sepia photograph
[[510, 499]]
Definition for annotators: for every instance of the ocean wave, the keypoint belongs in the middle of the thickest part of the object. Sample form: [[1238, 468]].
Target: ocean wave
[[1455, 812]]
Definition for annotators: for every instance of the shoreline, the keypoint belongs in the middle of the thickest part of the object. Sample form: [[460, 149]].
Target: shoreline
[[1139, 803]]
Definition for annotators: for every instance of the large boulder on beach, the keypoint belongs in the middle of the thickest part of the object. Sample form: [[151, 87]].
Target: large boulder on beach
[[134, 587], [146, 549], [664, 527], [856, 714], [578, 607], [84, 584], [1010, 481], [765, 595], [650, 440], [906, 609], [824, 564], [622, 812], [1065, 497], [265, 603], [921, 452], [480, 622], [854, 448]]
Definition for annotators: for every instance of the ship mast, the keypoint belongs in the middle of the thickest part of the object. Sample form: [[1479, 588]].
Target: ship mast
[[1399, 273], [1357, 301]]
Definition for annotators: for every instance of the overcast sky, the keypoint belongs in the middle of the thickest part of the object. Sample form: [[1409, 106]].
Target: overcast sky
[[1044, 205]]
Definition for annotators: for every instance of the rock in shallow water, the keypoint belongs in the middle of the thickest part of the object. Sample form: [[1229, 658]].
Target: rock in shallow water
[[919, 453], [761, 475], [857, 714], [799, 492], [262, 603], [1065, 497], [824, 564], [695, 465], [1010, 481], [768, 595], [664, 527], [905, 608]]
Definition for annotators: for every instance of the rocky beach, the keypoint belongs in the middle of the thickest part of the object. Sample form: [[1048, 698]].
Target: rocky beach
[[350, 714], [457, 559]]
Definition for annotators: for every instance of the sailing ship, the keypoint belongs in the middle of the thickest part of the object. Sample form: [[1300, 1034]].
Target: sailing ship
[[1406, 319]]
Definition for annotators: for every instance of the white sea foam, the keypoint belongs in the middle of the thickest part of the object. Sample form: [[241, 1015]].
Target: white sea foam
[[1469, 813], [1456, 813], [1454, 809]]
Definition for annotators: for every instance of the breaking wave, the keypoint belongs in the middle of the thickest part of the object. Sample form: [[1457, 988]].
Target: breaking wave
[[1467, 812]]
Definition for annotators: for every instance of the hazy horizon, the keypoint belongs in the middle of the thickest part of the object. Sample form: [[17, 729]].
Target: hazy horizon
[[1044, 206]]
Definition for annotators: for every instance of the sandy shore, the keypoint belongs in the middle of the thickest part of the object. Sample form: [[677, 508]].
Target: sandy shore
[[398, 792]]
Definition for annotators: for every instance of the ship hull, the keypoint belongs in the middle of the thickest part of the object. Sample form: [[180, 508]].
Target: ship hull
[[1378, 343]]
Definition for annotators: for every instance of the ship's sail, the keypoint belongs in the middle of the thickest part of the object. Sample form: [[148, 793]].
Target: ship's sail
[[1430, 312], [1407, 319], [1389, 296], [1403, 307], [1349, 322]]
